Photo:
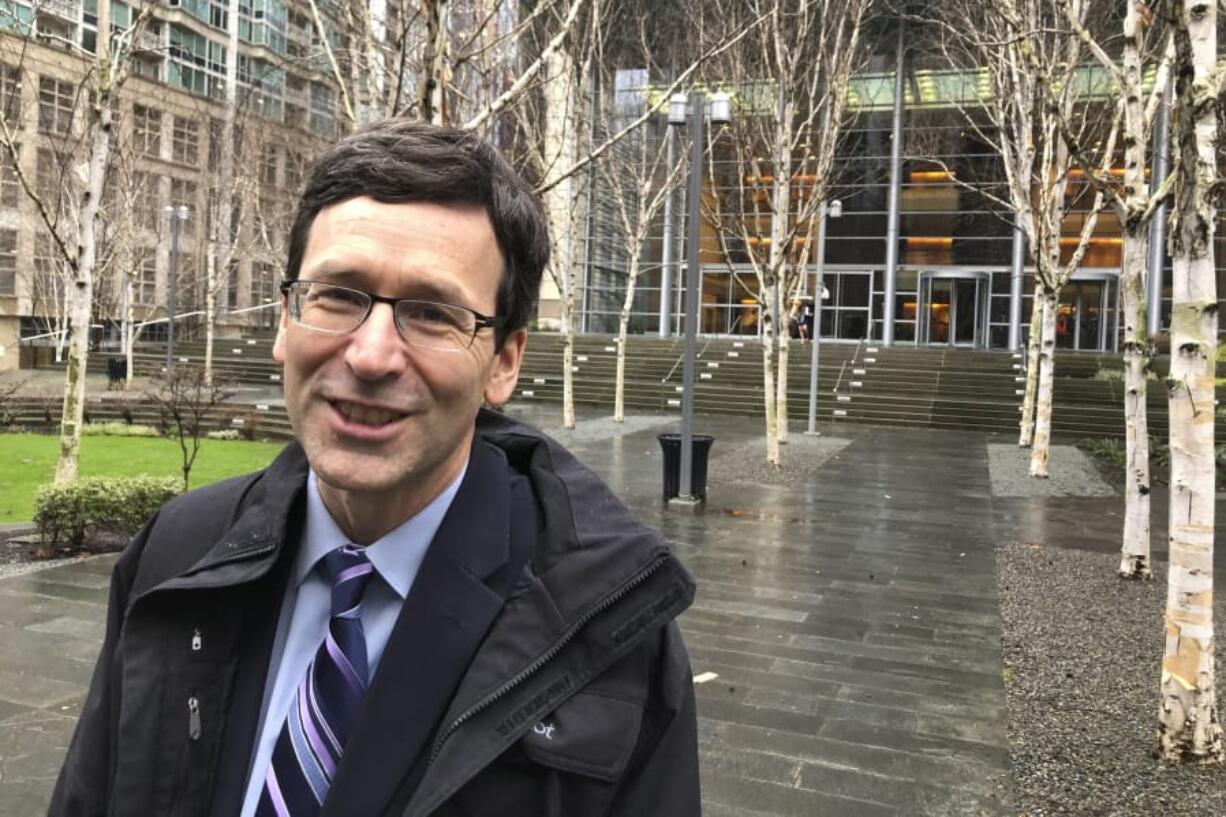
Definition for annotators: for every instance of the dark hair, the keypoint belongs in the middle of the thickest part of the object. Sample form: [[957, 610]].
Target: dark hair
[[397, 161]]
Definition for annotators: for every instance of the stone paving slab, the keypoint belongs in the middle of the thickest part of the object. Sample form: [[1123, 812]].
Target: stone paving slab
[[850, 619]]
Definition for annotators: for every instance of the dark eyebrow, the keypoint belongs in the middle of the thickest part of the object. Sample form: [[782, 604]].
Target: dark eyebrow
[[418, 290]]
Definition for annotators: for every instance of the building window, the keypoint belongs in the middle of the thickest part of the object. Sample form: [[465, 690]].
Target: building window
[[183, 192], [186, 143], [268, 164], [148, 201], [8, 262], [10, 188], [47, 177], [10, 95], [147, 130], [197, 64], [263, 283], [48, 282], [55, 104], [231, 301], [145, 281]]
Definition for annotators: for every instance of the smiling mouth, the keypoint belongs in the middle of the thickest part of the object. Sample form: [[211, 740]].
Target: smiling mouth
[[366, 415]]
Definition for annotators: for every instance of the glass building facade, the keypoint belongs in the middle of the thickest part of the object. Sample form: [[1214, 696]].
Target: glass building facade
[[959, 272]]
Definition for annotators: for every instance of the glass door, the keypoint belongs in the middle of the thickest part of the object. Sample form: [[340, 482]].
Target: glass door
[[953, 309]]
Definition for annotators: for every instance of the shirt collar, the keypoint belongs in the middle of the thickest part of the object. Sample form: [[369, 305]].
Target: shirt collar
[[396, 555]]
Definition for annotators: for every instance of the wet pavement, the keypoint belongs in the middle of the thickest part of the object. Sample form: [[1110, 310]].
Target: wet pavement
[[846, 633]]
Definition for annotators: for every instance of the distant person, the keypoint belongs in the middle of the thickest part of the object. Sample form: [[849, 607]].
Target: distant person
[[421, 607]]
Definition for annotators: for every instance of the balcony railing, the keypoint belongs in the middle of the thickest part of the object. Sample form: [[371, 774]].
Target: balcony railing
[[64, 9]]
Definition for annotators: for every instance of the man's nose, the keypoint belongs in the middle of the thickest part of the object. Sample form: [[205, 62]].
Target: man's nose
[[375, 348]]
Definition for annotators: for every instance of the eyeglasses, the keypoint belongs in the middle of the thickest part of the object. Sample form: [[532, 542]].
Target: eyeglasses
[[339, 310]]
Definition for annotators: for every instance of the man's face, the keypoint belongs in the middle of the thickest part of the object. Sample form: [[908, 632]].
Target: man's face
[[378, 418]]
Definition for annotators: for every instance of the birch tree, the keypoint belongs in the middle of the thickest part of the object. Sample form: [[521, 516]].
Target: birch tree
[[224, 218], [637, 179], [1039, 93], [790, 81], [1188, 724], [1134, 205], [104, 70]]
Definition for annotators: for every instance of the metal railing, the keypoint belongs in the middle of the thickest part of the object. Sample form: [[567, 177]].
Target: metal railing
[[855, 356], [703, 351]]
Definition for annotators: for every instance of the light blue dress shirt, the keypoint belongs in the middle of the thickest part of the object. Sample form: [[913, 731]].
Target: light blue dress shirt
[[307, 607]]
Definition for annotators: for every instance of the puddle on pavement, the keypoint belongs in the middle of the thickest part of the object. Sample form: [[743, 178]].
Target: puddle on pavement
[[759, 515]]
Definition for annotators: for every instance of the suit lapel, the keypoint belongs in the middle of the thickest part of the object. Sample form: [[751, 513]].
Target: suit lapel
[[444, 618]]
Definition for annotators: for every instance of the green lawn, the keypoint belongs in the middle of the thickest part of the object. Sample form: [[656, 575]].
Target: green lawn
[[28, 461]]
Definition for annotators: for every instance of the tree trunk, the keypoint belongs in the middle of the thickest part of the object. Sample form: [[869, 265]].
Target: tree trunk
[[623, 323], [568, 380], [1188, 727], [83, 283], [560, 150], [436, 63], [217, 267], [1026, 429], [781, 388], [1042, 408], [1134, 551], [768, 392], [1134, 556]]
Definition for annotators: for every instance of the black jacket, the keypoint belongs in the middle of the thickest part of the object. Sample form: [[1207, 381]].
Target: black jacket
[[558, 679]]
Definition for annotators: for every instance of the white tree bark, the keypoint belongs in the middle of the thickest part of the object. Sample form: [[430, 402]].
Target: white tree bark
[[623, 324], [1026, 432], [437, 71], [1042, 414], [561, 145], [217, 266], [1188, 726], [82, 291]]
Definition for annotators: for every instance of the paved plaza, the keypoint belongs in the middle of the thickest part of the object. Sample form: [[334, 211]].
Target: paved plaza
[[846, 632]]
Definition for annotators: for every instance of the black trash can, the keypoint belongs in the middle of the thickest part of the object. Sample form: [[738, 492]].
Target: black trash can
[[116, 371], [671, 445]]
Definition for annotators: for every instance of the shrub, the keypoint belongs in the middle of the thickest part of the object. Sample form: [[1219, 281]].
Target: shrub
[[1108, 448], [118, 430], [1109, 374], [71, 511], [224, 434]]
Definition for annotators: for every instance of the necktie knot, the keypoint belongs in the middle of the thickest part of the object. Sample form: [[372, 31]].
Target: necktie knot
[[349, 571]]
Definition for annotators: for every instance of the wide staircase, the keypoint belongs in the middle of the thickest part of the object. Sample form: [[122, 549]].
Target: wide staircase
[[858, 382]]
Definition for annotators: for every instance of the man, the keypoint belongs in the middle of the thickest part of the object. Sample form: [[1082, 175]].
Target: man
[[420, 608]]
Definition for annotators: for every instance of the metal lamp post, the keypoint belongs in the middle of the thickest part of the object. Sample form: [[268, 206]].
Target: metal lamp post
[[694, 110], [177, 215], [832, 209]]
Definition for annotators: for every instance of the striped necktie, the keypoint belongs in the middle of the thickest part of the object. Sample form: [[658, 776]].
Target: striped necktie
[[325, 706]]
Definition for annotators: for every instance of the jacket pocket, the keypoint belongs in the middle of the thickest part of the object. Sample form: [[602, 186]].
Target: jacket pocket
[[592, 734]]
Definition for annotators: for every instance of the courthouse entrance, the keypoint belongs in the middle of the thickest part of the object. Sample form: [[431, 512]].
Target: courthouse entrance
[[953, 308]]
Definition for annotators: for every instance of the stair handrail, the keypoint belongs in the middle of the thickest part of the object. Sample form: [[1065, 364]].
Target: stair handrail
[[842, 369], [698, 356]]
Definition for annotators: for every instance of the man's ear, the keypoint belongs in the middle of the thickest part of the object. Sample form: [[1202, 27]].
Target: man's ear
[[278, 345], [504, 371]]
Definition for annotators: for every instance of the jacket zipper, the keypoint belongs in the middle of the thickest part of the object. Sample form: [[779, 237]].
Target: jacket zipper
[[193, 717], [549, 655]]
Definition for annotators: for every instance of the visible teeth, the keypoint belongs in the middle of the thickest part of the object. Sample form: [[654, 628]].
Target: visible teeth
[[364, 415]]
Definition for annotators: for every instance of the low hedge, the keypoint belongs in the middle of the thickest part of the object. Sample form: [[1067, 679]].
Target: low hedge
[[70, 512], [118, 430]]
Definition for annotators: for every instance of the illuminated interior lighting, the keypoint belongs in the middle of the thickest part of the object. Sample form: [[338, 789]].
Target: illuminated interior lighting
[[1072, 241], [933, 175], [929, 241]]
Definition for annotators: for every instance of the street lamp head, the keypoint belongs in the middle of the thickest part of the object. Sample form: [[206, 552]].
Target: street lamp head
[[678, 106], [720, 108], [836, 208]]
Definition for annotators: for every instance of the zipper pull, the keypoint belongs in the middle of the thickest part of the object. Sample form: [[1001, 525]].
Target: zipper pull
[[197, 640], [193, 718]]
